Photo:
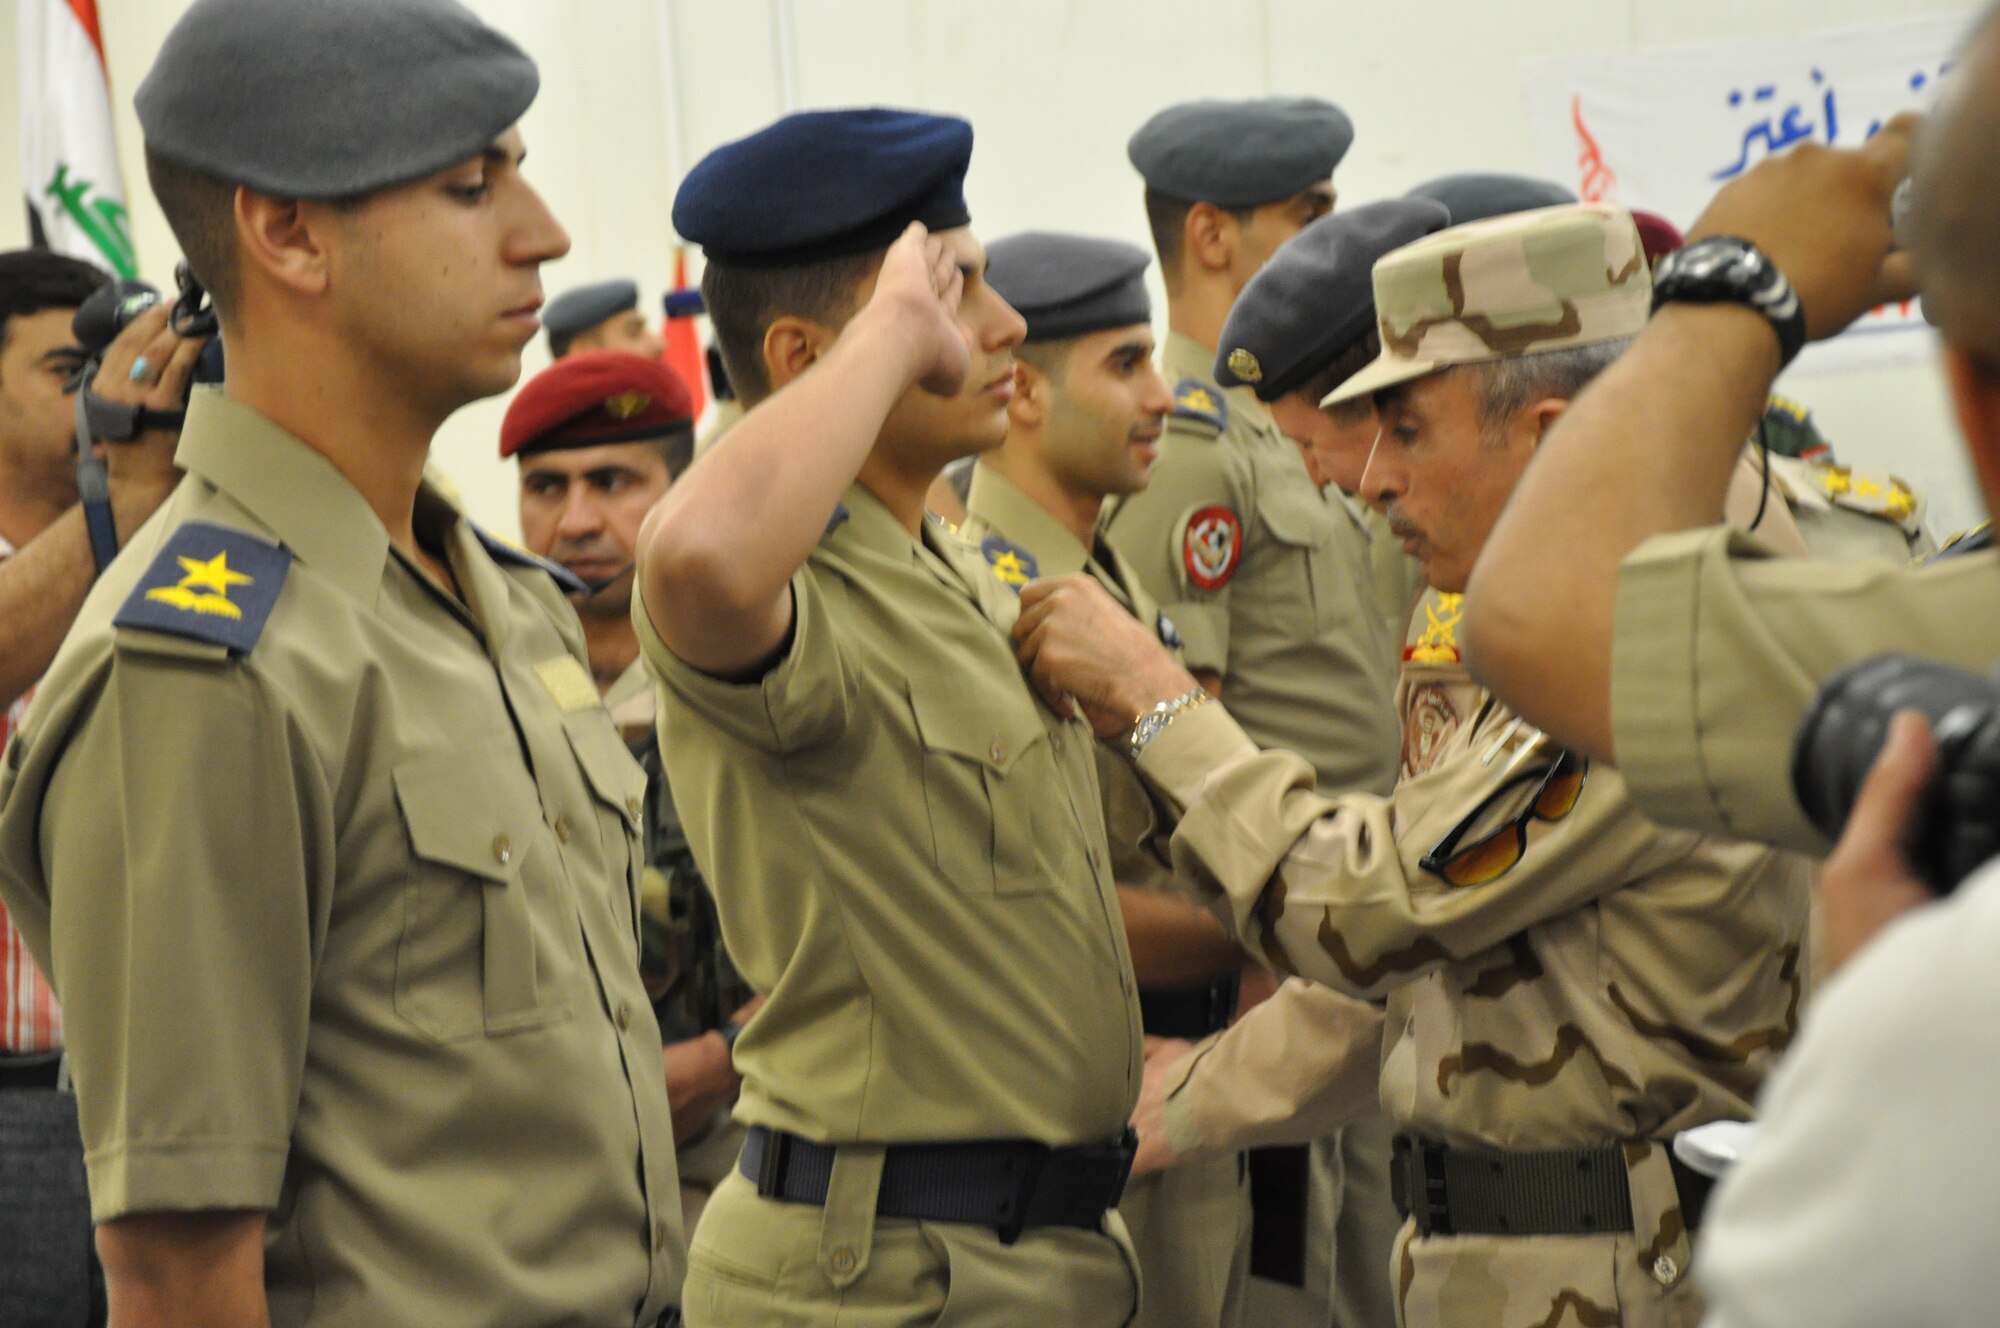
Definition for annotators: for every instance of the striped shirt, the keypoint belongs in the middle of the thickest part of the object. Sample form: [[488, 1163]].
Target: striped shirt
[[29, 1017]]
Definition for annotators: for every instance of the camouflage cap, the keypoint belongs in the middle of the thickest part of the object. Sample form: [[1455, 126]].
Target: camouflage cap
[[1513, 285]]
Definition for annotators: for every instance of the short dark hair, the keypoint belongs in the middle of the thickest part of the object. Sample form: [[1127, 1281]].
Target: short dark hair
[[1357, 355], [677, 450], [35, 280], [1050, 358], [1166, 217], [201, 210], [743, 302]]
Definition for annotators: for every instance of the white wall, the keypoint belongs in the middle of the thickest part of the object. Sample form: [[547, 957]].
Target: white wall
[[634, 91]]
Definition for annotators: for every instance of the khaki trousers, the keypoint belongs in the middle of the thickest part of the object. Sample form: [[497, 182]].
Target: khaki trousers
[[1191, 1228]]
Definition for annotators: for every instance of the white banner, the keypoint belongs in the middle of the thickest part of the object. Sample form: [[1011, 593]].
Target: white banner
[[1663, 130], [69, 163]]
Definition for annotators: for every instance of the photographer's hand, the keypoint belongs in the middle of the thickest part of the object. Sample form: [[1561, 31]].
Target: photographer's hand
[[142, 472], [1867, 883]]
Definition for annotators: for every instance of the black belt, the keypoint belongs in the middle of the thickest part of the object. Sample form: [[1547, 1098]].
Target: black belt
[[1008, 1185], [41, 1069], [1189, 1012], [1524, 1192]]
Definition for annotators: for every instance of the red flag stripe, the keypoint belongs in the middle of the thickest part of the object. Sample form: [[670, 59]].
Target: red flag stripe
[[86, 18]]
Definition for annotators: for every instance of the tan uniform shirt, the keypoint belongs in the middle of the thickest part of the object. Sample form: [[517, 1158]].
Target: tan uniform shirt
[[1718, 649], [1269, 579], [345, 920], [1021, 540], [909, 858]]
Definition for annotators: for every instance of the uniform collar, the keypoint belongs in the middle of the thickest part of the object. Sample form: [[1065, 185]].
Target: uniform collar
[[872, 526], [296, 492], [1019, 519]]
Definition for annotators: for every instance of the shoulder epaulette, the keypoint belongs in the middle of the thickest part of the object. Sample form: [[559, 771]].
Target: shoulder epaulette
[[209, 583], [1882, 496], [1201, 402], [1012, 565], [503, 552], [1964, 542]]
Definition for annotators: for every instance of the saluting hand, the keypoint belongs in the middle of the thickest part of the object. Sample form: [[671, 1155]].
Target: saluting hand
[[1822, 216], [1084, 652], [917, 294]]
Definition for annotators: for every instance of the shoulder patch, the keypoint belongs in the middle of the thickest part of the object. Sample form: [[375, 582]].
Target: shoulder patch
[[1012, 565], [1211, 546], [1200, 401], [1882, 496], [209, 583], [1964, 542], [503, 552]]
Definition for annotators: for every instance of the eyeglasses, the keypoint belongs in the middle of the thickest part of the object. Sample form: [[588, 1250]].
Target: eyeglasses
[[1493, 855]]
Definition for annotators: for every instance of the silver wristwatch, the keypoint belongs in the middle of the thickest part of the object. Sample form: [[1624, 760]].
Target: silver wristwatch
[[1149, 725]]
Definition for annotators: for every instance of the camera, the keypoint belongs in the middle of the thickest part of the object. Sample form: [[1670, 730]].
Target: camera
[[109, 310], [1957, 826]]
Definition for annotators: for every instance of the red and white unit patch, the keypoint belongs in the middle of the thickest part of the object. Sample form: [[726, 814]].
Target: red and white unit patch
[[1211, 547]]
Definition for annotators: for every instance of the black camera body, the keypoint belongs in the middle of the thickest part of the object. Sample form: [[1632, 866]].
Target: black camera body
[[109, 310], [1957, 828]]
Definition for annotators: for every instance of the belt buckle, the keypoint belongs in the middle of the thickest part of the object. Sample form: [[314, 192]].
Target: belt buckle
[[1417, 1167], [771, 1170]]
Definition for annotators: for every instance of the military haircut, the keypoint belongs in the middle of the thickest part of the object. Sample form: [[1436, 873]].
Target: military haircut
[[1166, 217], [676, 449], [201, 211], [1359, 355], [744, 300], [35, 280], [1508, 385], [1049, 358]]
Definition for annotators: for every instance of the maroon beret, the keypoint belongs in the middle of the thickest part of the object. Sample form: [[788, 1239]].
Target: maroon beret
[[1657, 236], [594, 397]]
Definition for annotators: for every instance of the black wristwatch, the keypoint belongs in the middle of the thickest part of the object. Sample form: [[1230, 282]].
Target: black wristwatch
[[1726, 270]]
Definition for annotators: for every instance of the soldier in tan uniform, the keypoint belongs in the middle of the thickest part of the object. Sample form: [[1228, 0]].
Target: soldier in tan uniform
[[1269, 579], [1568, 986], [317, 822], [1084, 425], [908, 847], [600, 437]]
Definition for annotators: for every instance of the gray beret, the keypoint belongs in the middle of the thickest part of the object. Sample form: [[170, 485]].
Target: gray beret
[[1238, 154], [330, 98], [586, 306], [1067, 285], [1475, 197], [1316, 297]]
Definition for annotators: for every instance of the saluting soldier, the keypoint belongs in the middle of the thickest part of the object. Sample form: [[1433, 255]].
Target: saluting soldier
[[1084, 425], [603, 315], [1267, 575], [907, 846], [1568, 985], [318, 824], [600, 437]]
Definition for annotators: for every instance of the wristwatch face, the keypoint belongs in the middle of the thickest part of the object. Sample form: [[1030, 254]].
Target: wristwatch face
[[1722, 266]]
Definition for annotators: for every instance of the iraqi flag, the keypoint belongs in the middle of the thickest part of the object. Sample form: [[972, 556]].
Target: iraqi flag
[[69, 164]]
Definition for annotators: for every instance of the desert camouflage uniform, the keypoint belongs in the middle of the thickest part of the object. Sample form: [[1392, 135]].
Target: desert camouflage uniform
[[1618, 984]]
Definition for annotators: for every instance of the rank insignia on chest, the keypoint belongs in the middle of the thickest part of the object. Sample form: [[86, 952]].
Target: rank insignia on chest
[[1211, 546], [1437, 642], [1013, 565], [209, 583], [1196, 400]]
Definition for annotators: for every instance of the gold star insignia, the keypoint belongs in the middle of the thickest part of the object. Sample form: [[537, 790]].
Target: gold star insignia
[[1008, 568], [214, 575], [204, 588], [1197, 398]]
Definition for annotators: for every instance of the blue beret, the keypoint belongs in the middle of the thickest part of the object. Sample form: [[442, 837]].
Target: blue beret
[[826, 184], [1238, 154], [314, 99], [1475, 197], [1067, 285], [586, 306], [1316, 297]]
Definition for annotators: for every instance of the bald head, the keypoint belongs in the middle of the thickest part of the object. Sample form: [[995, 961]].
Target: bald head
[[1953, 229]]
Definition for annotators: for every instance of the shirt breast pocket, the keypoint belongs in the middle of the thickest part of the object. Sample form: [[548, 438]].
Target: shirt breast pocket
[[472, 958], [1300, 525], [618, 792], [991, 789]]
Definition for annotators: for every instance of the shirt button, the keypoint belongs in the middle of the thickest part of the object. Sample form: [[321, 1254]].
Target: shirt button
[[562, 829], [624, 1016], [1055, 741], [998, 752], [1665, 1270], [632, 805], [842, 1260], [659, 1235], [503, 850]]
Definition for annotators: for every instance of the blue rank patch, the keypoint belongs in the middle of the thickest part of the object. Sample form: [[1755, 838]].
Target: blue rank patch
[[1012, 564], [209, 583], [503, 552], [836, 521], [1196, 400]]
